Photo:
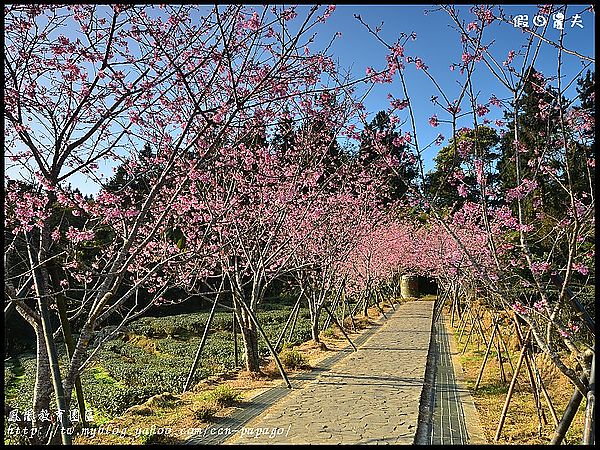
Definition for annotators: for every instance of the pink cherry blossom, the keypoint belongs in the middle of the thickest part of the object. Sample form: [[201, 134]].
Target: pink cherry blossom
[[78, 236]]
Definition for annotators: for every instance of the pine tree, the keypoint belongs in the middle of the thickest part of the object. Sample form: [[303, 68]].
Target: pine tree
[[440, 184], [381, 130]]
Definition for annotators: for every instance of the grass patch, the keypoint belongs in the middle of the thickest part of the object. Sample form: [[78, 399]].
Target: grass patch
[[293, 359], [101, 374], [154, 355], [224, 395], [14, 375], [205, 413]]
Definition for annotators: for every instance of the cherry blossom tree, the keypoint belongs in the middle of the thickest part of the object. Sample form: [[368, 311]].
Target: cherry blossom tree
[[334, 225], [532, 259], [86, 86]]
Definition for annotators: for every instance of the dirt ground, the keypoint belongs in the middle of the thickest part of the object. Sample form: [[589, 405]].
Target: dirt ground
[[524, 424]]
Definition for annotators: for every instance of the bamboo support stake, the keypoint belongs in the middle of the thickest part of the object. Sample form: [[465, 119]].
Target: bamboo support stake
[[235, 342], [340, 327], [41, 289], [464, 323], [269, 346], [480, 329], [335, 304], [511, 388], [392, 300], [472, 328], [549, 402], [293, 327], [567, 417], [467, 342], [536, 397], [376, 297], [327, 322], [350, 313], [202, 342], [287, 323], [512, 367], [589, 435], [499, 355], [485, 358]]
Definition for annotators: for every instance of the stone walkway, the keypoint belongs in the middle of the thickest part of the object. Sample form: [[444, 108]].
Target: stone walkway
[[371, 396]]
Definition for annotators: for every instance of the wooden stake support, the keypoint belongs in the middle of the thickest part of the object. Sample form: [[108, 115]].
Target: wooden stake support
[[512, 387], [289, 319]]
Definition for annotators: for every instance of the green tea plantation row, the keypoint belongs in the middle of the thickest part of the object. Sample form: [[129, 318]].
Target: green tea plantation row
[[153, 356]]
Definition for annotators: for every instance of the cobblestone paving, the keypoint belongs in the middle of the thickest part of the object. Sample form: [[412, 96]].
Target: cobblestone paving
[[226, 427], [371, 396]]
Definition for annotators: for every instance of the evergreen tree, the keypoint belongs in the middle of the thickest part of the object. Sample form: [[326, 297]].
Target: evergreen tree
[[543, 128], [139, 180], [322, 138], [538, 126], [284, 138], [440, 184], [254, 135], [584, 122], [381, 130]]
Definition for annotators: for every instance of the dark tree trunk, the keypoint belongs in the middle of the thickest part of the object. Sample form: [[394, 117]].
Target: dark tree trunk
[[42, 393], [249, 338], [314, 328]]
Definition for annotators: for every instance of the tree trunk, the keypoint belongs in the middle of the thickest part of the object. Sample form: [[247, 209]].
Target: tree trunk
[[314, 327], [42, 392], [68, 337], [366, 304], [40, 282], [249, 339]]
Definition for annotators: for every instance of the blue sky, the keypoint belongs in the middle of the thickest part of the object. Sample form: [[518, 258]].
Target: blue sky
[[438, 45]]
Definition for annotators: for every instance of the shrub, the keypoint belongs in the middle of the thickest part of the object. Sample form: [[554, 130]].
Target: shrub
[[164, 400], [328, 332], [133, 371], [293, 359], [224, 395]]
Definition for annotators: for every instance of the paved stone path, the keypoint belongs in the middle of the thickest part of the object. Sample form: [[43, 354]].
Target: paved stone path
[[371, 396], [219, 432]]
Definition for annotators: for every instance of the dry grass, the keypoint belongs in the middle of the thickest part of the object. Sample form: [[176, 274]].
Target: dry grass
[[143, 342], [522, 425]]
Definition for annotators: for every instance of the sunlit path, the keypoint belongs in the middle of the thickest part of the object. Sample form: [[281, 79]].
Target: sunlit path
[[371, 396]]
